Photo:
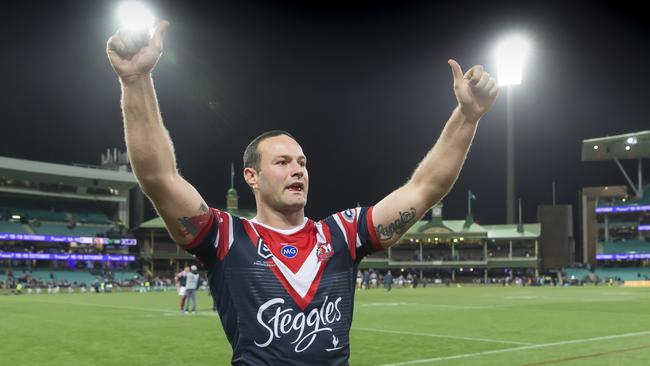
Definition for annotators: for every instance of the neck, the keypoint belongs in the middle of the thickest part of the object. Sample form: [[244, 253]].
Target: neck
[[280, 220]]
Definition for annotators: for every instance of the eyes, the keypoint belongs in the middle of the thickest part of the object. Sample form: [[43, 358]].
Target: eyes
[[285, 162]]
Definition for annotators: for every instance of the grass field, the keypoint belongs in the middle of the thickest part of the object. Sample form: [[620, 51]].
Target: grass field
[[432, 326]]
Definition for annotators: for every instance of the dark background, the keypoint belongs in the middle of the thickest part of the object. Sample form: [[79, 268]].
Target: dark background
[[364, 86]]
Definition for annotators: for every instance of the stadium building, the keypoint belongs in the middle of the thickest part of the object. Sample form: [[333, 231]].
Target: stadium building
[[462, 251], [67, 225], [615, 219], [78, 225]]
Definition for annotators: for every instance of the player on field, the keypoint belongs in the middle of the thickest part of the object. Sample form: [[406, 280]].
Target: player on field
[[284, 284], [180, 285]]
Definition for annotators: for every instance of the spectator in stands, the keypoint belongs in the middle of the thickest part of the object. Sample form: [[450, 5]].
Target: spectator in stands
[[191, 284]]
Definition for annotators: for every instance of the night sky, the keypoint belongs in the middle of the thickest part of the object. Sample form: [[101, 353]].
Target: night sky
[[364, 86]]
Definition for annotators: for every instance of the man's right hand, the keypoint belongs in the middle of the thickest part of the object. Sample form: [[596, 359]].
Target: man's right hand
[[131, 65]]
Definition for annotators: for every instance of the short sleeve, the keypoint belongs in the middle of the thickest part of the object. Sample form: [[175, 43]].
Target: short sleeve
[[360, 235], [214, 239]]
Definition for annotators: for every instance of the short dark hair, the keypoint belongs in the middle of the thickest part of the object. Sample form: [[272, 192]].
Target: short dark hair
[[252, 156]]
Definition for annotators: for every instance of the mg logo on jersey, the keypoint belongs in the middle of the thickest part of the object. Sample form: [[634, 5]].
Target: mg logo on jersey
[[289, 251]]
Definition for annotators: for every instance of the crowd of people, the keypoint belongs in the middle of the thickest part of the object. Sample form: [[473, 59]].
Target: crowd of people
[[21, 281]]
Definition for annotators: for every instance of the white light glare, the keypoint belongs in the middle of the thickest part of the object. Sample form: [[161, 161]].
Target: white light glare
[[595, 147], [627, 148], [511, 55], [134, 16], [631, 140]]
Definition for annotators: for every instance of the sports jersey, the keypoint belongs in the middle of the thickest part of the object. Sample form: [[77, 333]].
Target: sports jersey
[[285, 297], [181, 279]]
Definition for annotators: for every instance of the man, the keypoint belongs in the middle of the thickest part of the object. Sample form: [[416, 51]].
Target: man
[[180, 285], [416, 279], [284, 284], [359, 279], [388, 281], [366, 279], [191, 284]]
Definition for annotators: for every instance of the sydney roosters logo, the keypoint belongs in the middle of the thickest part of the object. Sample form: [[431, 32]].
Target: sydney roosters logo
[[279, 322], [324, 251]]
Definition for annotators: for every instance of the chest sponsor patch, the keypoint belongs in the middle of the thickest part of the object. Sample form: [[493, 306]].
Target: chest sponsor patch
[[279, 320], [289, 251]]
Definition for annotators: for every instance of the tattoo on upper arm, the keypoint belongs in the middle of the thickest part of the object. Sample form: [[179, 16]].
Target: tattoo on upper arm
[[193, 225], [399, 226]]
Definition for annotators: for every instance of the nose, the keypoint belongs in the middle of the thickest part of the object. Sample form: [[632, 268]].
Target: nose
[[298, 170]]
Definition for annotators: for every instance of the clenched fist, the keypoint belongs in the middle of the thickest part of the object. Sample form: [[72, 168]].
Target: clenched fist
[[134, 54]]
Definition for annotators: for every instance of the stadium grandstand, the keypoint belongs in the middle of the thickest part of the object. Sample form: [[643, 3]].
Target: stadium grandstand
[[74, 225], [439, 251], [616, 221], [67, 225], [434, 250]]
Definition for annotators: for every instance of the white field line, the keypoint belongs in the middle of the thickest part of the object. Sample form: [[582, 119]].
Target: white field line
[[441, 336], [166, 312], [443, 306], [515, 349]]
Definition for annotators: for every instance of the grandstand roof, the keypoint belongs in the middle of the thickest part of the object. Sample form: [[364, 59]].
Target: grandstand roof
[[531, 231], [627, 146], [65, 174]]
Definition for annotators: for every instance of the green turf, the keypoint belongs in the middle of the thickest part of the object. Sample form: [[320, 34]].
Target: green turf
[[432, 326]]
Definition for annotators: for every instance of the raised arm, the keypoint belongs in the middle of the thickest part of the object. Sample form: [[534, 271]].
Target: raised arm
[[148, 144], [476, 92]]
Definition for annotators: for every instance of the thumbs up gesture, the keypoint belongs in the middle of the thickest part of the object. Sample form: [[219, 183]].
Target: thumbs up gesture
[[475, 90]]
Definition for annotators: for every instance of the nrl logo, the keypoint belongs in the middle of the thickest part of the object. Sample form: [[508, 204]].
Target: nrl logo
[[324, 251], [263, 250]]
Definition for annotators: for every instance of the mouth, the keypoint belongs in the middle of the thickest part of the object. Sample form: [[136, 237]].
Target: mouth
[[296, 187]]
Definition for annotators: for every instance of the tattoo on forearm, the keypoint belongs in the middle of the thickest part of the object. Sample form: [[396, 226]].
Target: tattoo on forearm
[[399, 226], [193, 225]]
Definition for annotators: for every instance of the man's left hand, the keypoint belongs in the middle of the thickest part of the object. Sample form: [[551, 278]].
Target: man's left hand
[[475, 91]]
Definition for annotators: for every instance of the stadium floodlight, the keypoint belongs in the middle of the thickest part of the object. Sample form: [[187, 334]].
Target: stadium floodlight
[[511, 56], [136, 26], [135, 17]]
